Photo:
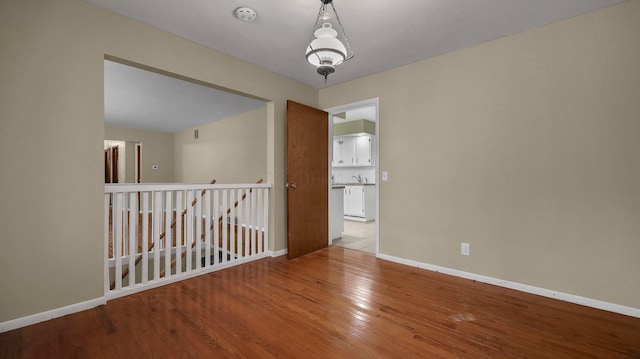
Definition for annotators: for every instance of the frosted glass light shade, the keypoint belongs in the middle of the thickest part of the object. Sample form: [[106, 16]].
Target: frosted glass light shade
[[326, 49]]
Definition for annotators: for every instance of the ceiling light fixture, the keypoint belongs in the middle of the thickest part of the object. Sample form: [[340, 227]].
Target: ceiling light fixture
[[326, 51]]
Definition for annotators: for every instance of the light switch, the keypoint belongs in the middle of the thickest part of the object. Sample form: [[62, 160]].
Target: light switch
[[385, 176]]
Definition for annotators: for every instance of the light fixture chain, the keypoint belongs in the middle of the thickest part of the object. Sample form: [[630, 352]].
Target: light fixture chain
[[344, 34], [323, 7], [333, 51]]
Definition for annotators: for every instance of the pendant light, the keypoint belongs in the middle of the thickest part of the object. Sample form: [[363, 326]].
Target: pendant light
[[326, 51]]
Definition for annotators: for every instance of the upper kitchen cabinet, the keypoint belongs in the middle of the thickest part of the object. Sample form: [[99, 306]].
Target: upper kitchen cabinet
[[352, 151], [354, 140], [344, 151], [363, 151]]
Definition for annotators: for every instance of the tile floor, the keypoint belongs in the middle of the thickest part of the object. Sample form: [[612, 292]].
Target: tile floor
[[359, 236]]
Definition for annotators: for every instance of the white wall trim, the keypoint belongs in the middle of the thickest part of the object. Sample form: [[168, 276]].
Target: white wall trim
[[593, 303], [50, 314], [278, 253]]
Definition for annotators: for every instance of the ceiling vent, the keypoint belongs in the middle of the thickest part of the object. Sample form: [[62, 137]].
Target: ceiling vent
[[246, 14]]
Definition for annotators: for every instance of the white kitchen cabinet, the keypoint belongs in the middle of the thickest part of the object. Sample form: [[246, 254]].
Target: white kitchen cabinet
[[337, 155], [359, 202], [352, 151], [354, 199], [363, 151], [344, 151]]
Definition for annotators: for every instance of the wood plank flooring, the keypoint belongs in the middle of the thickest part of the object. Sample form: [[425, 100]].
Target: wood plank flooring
[[333, 303]]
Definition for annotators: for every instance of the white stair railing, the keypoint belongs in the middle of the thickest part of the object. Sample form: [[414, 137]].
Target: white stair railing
[[222, 226]]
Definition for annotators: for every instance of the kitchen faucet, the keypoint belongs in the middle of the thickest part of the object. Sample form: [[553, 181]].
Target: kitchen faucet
[[358, 178]]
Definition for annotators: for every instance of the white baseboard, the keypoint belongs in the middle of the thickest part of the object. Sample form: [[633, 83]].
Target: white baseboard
[[278, 253], [50, 314], [593, 303]]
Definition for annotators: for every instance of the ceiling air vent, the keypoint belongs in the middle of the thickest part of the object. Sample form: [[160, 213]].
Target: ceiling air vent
[[246, 14]]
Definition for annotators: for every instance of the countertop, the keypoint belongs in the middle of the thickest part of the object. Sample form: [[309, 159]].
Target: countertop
[[342, 185]]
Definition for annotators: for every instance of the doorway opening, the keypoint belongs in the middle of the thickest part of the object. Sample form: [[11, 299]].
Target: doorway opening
[[353, 162], [164, 111]]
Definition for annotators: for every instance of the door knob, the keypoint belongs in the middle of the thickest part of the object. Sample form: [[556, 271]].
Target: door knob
[[291, 185]]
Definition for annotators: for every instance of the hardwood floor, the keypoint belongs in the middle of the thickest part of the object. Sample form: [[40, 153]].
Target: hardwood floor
[[333, 303]]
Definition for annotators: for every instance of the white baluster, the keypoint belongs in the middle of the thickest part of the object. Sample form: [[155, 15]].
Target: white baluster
[[207, 228], [189, 230], [179, 231], [216, 227], [117, 238], [168, 233], [254, 210], [157, 229], [224, 226], [198, 236], [242, 232], [257, 227], [133, 237], [145, 237], [231, 223]]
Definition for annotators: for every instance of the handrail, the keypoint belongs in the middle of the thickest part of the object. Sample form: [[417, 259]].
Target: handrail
[[184, 252], [154, 187], [125, 273]]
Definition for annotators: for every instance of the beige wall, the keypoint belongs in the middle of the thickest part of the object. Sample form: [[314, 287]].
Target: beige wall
[[157, 149], [52, 111], [526, 147], [231, 150]]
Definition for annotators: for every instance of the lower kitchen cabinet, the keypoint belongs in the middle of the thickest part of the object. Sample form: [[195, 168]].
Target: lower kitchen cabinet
[[360, 202]]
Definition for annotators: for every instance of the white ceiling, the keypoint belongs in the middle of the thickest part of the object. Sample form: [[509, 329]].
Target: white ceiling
[[384, 34]]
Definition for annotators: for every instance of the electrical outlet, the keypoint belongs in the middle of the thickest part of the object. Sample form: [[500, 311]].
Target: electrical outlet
[[385, 175], [464, 249]]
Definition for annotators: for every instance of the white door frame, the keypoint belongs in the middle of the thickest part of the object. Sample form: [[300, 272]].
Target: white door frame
[[352, 106]]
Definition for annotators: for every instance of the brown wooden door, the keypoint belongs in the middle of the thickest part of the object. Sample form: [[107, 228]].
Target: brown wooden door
[[307, 179]]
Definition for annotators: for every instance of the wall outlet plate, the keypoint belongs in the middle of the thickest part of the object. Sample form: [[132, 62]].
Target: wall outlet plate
[[464, 249]]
